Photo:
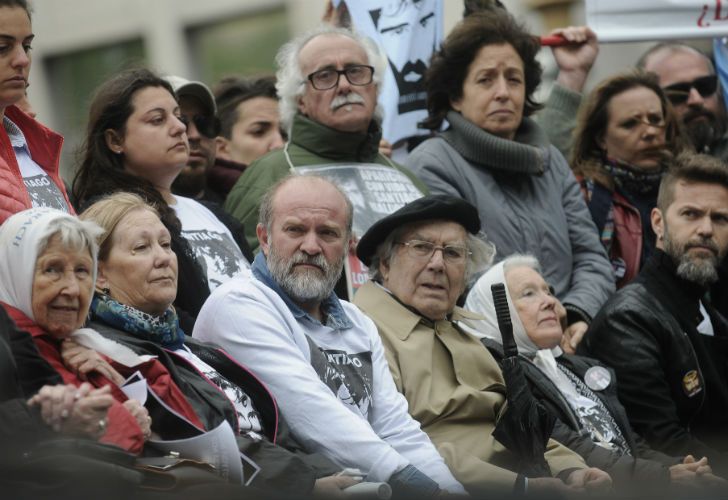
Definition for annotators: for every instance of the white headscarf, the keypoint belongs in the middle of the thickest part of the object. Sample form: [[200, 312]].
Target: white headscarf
[[480, 300], [20, 238]]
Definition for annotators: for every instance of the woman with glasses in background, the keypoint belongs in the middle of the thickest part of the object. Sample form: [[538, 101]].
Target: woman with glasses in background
[[137, 142], [625, 135]]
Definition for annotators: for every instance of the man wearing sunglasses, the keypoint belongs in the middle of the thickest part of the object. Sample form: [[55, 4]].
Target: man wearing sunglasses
[[199, 112], [328, 81], [689, 80]]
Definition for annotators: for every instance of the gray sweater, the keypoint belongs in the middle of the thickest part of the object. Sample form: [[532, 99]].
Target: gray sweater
[[528, 201]]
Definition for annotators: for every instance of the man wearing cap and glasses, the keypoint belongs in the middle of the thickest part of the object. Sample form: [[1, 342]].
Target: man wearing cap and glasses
[[328, 81], [420, 259], [689, 80]]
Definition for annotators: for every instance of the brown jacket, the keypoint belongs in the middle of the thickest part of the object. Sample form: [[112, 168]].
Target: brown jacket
[[454, 388]]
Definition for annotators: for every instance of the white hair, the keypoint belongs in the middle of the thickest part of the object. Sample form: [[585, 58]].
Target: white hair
[[291, 83], [521, 260]]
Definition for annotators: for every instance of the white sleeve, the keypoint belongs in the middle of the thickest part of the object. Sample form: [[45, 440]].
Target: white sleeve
[[254, 332], [393, 423]]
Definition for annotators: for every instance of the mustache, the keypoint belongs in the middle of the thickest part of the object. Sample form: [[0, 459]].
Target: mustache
[[343, 100], [697, 112], [708, 243], [314, 260]]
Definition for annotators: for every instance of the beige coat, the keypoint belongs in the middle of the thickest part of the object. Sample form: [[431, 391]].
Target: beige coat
[[454, 388]]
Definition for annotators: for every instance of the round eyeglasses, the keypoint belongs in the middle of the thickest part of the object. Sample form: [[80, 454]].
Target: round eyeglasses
[[328, 78]]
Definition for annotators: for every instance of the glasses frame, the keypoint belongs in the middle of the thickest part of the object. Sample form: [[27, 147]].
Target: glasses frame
[[413, 253], [340, 72], [679, 93]]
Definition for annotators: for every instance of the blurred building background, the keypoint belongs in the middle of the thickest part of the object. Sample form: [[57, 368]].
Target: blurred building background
[[79, 43]]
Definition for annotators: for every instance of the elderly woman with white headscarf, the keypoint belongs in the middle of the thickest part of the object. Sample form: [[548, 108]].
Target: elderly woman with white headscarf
[[47, 275], [579, 391]]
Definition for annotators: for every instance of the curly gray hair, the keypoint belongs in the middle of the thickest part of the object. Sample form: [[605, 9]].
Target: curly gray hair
[[291, 83]]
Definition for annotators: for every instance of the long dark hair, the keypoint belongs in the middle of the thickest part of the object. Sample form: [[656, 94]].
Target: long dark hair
[[101, 171], [449, 66]]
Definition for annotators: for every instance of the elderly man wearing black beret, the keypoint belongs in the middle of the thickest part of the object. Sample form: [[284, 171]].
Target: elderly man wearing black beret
[[420, 259]]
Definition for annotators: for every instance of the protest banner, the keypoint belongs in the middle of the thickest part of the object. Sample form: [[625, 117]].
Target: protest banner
[[651, 20]]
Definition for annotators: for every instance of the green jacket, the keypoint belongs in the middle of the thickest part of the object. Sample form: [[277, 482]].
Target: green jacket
[[310, 143]]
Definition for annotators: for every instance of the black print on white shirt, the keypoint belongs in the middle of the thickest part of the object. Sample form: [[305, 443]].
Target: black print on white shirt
[[349, 376], [217, 254], [44, 193]]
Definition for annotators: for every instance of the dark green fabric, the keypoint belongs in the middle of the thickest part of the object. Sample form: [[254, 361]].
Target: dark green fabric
[[310, 143]]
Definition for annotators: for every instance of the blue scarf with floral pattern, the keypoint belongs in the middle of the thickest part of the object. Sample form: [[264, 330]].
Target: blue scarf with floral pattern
[[163, 330]]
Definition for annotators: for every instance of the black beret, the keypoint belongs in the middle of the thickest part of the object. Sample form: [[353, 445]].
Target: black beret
[[439, 206]]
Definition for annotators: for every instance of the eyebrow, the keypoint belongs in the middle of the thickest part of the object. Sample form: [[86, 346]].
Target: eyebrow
[[425, 18], [392, 28], [11, 38]]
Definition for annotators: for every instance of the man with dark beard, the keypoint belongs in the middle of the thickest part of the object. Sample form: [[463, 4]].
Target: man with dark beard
[[321, 357], [667, 344], [689, 80]]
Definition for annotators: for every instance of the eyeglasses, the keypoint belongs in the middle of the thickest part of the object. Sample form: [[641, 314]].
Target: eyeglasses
[[328, 78], [209, 126], [678, 93], [424, 250]]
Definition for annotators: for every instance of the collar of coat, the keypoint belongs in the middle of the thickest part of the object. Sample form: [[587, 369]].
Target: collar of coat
[[404, 319], [334, 144], [528, 153]]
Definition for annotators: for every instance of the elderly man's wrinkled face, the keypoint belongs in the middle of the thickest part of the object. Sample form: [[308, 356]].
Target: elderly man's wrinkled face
[[426, 278], [307, 242], [141, 268], [344, 107], [62, 288]]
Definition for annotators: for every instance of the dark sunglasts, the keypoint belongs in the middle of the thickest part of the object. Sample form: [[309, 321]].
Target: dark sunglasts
[[209, 126], [678, 93]]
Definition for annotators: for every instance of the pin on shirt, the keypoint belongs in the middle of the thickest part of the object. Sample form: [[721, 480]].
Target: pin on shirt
[[691, 383], [597, 378]]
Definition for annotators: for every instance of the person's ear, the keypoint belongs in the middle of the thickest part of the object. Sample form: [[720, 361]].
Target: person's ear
[[114, 141], [657, 220], [102, 280], [222, 148], [457, 104], [384, 269], [302, 105], [263, 238]]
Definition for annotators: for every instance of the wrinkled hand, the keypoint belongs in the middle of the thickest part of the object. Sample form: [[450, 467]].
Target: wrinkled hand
[[333, 486], [141, 415], [385, 148], [572, 336], [575, 58], [89, 415], [83, 361], [591, 479], [74, 410]]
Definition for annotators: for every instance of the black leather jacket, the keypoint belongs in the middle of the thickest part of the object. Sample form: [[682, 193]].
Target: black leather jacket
[[645, 464], [671, 379]]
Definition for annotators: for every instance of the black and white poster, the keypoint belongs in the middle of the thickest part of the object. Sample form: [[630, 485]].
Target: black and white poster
[[44, 193], [408, 31]]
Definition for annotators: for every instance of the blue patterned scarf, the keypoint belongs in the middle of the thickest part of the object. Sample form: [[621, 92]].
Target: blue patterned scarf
[[632, 179], [162, 330]]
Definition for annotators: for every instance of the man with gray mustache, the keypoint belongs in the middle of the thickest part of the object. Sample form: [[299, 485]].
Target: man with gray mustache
[[665, 341], [328, 81], [322, 358]]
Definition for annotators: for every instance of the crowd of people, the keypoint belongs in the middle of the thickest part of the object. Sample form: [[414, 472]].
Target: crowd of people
[[204, 244]]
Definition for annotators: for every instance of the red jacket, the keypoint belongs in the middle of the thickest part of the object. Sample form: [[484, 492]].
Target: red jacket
[[45, 149], [122, 429]]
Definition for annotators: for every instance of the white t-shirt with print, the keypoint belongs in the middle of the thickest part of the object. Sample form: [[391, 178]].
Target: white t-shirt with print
[[211, 241]]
